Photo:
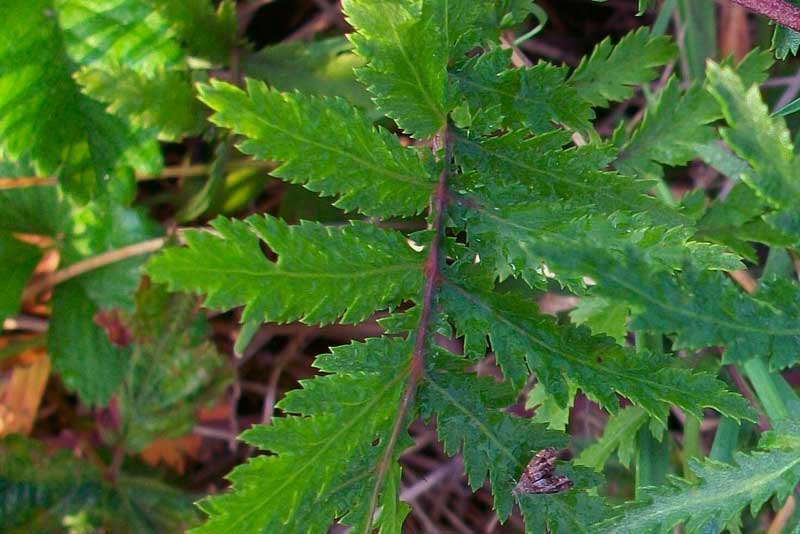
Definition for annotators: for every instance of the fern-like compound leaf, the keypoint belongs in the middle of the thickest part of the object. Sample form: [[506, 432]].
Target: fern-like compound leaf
[[519, 168], [535, 97], [613, 71], [327, 458], [703, 307], [366, 167], [675, 122], [322, 273]]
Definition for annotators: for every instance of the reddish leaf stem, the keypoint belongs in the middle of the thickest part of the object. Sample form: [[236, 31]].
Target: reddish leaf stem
[[779, 11], [432, 278]]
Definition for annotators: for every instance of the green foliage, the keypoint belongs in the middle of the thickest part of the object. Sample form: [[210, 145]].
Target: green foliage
[[565, 513], [520, 193], [81, 352], [43, 114], [619, 435], [519, 203], [408, 87], [764, 143], [470, 413], [17, 261], [321, 67], [534, 96], [526, 342], [199, 28], [163, 101], [675, 122]]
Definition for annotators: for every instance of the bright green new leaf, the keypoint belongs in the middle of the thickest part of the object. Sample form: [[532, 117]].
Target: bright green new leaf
[[366, 167], [163, 102], [619, 435], [612, 72], [115, 32], [760, 139], [322, 273], [765, 143], [602, 316], [43, 115]]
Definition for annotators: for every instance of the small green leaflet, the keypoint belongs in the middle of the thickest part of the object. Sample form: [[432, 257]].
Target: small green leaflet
[[611, 72], [348, 271], [366, 167]]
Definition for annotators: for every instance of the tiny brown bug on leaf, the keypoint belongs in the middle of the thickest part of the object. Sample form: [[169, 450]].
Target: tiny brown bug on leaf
[[539, 477]]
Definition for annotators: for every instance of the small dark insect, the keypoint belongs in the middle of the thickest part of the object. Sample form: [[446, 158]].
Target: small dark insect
[[538, 476]]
